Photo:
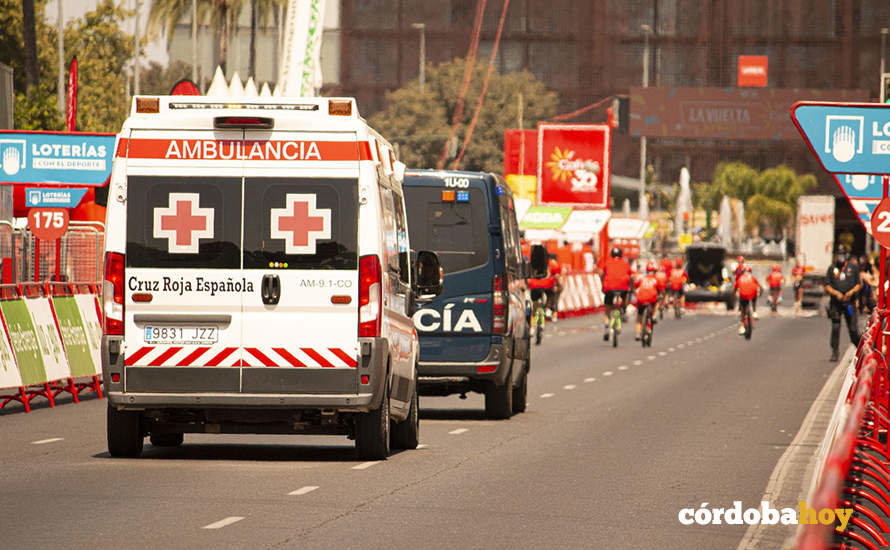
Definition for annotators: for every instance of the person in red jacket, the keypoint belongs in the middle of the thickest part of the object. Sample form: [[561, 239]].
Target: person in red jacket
[[775, 280], [661, 276], [748, 289], [646, 295], [677, 283], [616, 284]]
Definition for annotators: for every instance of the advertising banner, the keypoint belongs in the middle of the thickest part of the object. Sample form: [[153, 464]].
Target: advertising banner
[[573, 164], [545, 217], [53, 198], [520, 152], [86, 305], [51, 350], [753, 70], [55, 157], [9, 372], [24, 342], [74, 336]]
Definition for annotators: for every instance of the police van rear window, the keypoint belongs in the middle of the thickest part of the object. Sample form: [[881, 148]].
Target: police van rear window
[[183, 222], [456, 228], [300, 223]]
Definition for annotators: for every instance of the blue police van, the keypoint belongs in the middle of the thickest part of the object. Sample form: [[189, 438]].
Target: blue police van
[[474, 337]]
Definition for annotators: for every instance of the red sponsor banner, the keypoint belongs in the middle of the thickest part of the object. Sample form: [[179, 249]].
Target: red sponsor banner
[[753, 70], [250, 150], [521, 152], [71, 119], [574, 164]]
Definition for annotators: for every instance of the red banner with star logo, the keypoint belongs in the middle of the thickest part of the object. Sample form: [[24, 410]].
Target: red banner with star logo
[[574, 164]]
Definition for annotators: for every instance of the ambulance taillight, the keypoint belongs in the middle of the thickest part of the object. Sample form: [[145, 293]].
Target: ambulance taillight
[[113, 294], [369, 296]]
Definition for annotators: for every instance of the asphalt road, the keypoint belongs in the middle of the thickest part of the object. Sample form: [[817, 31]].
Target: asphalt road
[[614, 443]]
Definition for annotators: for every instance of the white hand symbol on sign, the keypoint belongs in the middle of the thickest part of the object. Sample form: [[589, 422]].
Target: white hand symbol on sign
[[11, 161], [843, 143]]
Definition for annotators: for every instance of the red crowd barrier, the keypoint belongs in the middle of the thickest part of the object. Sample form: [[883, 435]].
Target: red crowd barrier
[[856, 471]]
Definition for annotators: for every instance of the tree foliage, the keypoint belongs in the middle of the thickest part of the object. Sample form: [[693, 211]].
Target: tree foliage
[[421, 123], [159, 80]]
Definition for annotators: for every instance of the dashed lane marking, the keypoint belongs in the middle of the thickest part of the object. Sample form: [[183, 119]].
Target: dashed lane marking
[[303, 490], [623, 367], [45, 441], [638, 362], [569, 387], [681, 346], [671, 350], [546, 395], [662, 353], [422, 446], [588, 380], [458, 431], [223, 522], [365, 465], [650, 357], [608, 373]]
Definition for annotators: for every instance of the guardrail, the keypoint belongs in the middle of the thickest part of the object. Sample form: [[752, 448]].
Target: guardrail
[[856, 470]]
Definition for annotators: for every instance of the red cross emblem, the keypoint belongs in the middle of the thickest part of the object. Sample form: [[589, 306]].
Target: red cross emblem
[[183, 223], [300, 223]]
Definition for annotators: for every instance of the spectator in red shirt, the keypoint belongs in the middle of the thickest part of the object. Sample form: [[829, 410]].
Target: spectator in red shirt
[[748, 289], [646, 295], [616, 284]]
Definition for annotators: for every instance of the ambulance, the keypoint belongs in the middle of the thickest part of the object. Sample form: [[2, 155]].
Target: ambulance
[[258, 276]]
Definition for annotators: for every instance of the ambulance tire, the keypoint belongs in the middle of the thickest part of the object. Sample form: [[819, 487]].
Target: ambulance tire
[[372, 436], [166, 440], [406, 434], [499, 399], [124, 432], [520, 394]]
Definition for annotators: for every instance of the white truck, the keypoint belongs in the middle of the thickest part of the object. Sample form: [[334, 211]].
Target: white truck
[[815, 242]]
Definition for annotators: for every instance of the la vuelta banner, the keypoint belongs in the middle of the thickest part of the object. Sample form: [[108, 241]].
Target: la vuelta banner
[[574, 164]]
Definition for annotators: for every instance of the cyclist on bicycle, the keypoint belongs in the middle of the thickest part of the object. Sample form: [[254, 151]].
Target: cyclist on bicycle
[[661, 277], [541, 289], [646, 294], [748, 289], [677, 282], [775, 280], [615, 274], [739, 266]]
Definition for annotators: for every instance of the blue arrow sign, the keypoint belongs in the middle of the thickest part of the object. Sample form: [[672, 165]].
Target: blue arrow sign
[[847, 138]]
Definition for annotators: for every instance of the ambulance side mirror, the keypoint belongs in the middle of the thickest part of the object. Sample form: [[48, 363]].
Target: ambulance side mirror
[[428, 283], [540, 262]]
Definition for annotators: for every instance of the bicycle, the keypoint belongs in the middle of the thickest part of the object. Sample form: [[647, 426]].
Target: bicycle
[[662, 302], [678, 311], [539, 318], [615, 320], [646, 328], [747, 319], [774, 297]]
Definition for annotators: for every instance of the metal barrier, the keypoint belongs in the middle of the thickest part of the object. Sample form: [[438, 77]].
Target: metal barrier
[[856, 471], [77, 256]]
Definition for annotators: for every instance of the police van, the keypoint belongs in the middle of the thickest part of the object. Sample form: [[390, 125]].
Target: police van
[[475, 335], [257, 276]]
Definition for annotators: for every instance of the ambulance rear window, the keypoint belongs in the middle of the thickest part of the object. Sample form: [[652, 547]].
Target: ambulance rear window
[[300, 223], [456, 231], [183, 222]]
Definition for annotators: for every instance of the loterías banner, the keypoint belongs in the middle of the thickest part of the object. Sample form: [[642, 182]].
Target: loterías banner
[[574, 164]]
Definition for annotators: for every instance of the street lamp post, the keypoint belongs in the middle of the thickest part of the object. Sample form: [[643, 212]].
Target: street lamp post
[[884, 32], [422, 77], [646, 30]]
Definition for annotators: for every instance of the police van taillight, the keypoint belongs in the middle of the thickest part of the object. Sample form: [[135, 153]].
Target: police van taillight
[[499, 305], [369, 296], [113, 294]]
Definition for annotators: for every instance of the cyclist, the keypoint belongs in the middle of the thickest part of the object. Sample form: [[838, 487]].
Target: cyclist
[[661, 277], [646, 295], [666, 265], [542, 289], [775, 280], [748, 289], [739, 266], [797, 284], [677, 281], [616, 284]]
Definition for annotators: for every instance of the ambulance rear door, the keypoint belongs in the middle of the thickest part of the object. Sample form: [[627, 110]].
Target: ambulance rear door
[[184, 283], [300, 257]]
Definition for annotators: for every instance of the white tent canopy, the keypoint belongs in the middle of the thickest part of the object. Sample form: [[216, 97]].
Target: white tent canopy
[[627, 228]]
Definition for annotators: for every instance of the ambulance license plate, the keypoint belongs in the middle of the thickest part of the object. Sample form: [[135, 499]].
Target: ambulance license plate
[[181, 335]]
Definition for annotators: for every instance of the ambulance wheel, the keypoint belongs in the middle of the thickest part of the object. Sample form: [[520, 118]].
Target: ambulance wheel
[[166, 439], [520, 394], [406, 434], [372, 430], [124, 433], [499, 400]]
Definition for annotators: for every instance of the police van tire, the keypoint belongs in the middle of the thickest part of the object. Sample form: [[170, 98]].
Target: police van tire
[[406, 434], [166, 439], [499, 400], [372, 435], [520, 394], [124, 433]]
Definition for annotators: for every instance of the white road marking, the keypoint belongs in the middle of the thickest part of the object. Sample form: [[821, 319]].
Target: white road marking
[[638, 362], [365, 465], [623, 367], [546, 395], [588, 380], [681, 346], [303, 490], [671, 350], [608, 373], [662, 353], [569, 387], [422, 446], [44, 441], [689, 343], [458, 431], [223, 522], [650, 357]]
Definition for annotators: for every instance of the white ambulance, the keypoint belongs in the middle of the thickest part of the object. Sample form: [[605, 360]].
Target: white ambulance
[[258, 276]]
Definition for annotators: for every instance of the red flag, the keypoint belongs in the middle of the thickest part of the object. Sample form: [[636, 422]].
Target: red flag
[[71, 120], [185, 87]]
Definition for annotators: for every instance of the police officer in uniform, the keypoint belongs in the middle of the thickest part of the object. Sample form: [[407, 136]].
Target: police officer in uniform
[[842, 283]]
